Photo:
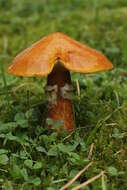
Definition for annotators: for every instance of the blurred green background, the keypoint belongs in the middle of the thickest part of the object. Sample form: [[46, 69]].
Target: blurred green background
[[32, 157], [100, 24]]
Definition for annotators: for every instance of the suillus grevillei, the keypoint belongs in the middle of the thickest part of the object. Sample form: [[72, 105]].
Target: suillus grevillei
[[55, 56]]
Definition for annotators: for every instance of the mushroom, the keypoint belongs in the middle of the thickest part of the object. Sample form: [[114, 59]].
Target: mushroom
[[55, 56]]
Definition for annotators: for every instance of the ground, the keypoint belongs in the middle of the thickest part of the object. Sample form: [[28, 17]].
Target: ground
[[32, 157]]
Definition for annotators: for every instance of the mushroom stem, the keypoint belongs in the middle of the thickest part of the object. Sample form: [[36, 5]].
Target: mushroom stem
[[59, 91]]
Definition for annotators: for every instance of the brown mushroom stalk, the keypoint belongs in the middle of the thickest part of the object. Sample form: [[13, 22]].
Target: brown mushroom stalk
[[55, 56], [59, 93]]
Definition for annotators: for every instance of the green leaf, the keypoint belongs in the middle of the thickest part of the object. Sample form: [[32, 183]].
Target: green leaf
[[32, 115], [11, 137], [116, 131], [23, 155], [57, 124], [9, 186], [2, 135], [112, 171], [1, 180], [45, 139], [3, 159], [24, 174], [49, 121], [66, 148], [3, 151], [37, 165], [54, 125], [20, 120], [36, 181], [6, 127], [15, 172], [19, 116], [118, 135], [23, 123], [75, 156], [53, 137], [41, 149], [121, 173], [28, 163], [62, 148], [52, 151]]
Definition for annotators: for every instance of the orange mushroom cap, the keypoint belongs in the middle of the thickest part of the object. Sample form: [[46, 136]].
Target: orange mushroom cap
[[40, 58]]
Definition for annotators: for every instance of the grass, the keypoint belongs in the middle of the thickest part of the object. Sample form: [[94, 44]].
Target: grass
[[32, 157]]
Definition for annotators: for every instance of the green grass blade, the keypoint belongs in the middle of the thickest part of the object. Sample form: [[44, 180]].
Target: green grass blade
[[103, 183], [5, 85]]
